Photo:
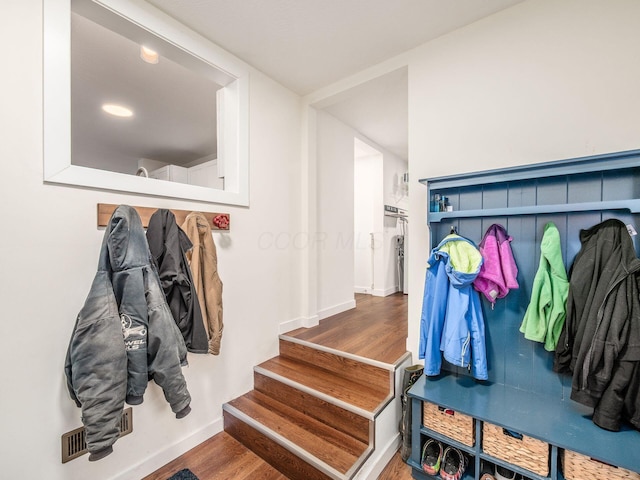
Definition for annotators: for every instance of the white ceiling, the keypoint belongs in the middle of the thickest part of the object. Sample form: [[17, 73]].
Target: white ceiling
[[303, 44], [379, 110], [309, 44]]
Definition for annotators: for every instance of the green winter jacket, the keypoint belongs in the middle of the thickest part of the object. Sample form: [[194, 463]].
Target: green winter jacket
[[546, 312]]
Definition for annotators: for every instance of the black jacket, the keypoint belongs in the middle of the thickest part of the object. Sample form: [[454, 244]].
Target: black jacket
[[124, 336], [168, 244], [600, 341]]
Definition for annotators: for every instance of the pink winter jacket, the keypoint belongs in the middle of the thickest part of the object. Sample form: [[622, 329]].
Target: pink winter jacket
[[499, 272]]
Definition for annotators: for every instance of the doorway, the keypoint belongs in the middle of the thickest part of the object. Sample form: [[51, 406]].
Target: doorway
[[368, 265], [358, 167]]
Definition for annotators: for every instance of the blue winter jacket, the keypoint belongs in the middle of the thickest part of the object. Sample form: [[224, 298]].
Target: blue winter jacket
[[452, 320]]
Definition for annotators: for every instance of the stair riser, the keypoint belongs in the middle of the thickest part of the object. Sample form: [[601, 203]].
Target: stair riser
[[353, 370], [350, 423], [270, 451]]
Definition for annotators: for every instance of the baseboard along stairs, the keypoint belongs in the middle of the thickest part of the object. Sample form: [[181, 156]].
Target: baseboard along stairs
[[312, 412]]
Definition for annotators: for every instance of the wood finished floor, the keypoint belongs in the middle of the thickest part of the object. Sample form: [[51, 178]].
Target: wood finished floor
[[224, 458], [376, 329]]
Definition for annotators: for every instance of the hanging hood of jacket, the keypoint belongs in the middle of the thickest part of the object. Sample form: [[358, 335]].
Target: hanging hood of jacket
[[465, 260], [126, 242]]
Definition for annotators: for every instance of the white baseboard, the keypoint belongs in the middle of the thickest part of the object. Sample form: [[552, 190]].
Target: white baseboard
[[173, 451], [384, 293], [342, 307], [306, 322], [287, 326], [376, 292]]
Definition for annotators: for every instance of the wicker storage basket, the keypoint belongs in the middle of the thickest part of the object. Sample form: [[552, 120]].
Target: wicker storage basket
[[452, 424], [520, 450], [581, 467]]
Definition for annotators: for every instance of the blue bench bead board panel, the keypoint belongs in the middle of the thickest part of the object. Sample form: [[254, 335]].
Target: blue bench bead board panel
[[523, 394]]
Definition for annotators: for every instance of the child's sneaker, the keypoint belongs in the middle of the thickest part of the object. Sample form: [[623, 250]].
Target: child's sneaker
[[431, 456], [454, 463]]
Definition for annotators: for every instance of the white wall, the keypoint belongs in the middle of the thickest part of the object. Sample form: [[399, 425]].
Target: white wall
[[542, 81], [334, 215], [48, 255]]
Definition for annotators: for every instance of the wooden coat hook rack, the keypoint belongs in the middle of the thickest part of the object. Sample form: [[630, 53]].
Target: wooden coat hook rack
[[218, 221]]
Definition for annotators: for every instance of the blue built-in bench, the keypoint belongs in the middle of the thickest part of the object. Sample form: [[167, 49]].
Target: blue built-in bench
[[523, 393], [562, 424]]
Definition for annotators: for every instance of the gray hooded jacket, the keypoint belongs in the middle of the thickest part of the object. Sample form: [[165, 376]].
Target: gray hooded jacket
[[124, 336]]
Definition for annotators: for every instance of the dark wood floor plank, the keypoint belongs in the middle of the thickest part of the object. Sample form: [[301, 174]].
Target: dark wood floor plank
[[396, 469]]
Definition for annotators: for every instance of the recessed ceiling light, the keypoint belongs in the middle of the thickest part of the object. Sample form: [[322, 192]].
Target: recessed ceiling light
[[148, 55], [117, 110]]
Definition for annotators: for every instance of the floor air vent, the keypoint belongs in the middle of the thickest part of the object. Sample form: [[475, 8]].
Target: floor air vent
[[73, 442]]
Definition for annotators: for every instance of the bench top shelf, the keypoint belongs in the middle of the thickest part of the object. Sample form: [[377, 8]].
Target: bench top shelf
[[563, 423], [631, 205]]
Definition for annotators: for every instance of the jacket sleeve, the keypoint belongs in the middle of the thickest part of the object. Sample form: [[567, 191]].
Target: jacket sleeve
[[166, 350], [478, 341], [96, 368], [130, 291], [564, 347], [434, 307], [534, 323], [563, 361], [608, 413]]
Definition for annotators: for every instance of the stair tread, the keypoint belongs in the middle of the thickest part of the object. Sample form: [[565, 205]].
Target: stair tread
[[335, 448], [365, 397]]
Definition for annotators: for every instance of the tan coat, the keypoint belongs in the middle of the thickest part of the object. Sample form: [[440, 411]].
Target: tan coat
[[203, 260]]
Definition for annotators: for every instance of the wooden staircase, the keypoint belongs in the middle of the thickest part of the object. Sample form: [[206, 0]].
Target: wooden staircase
[[312, 412]]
